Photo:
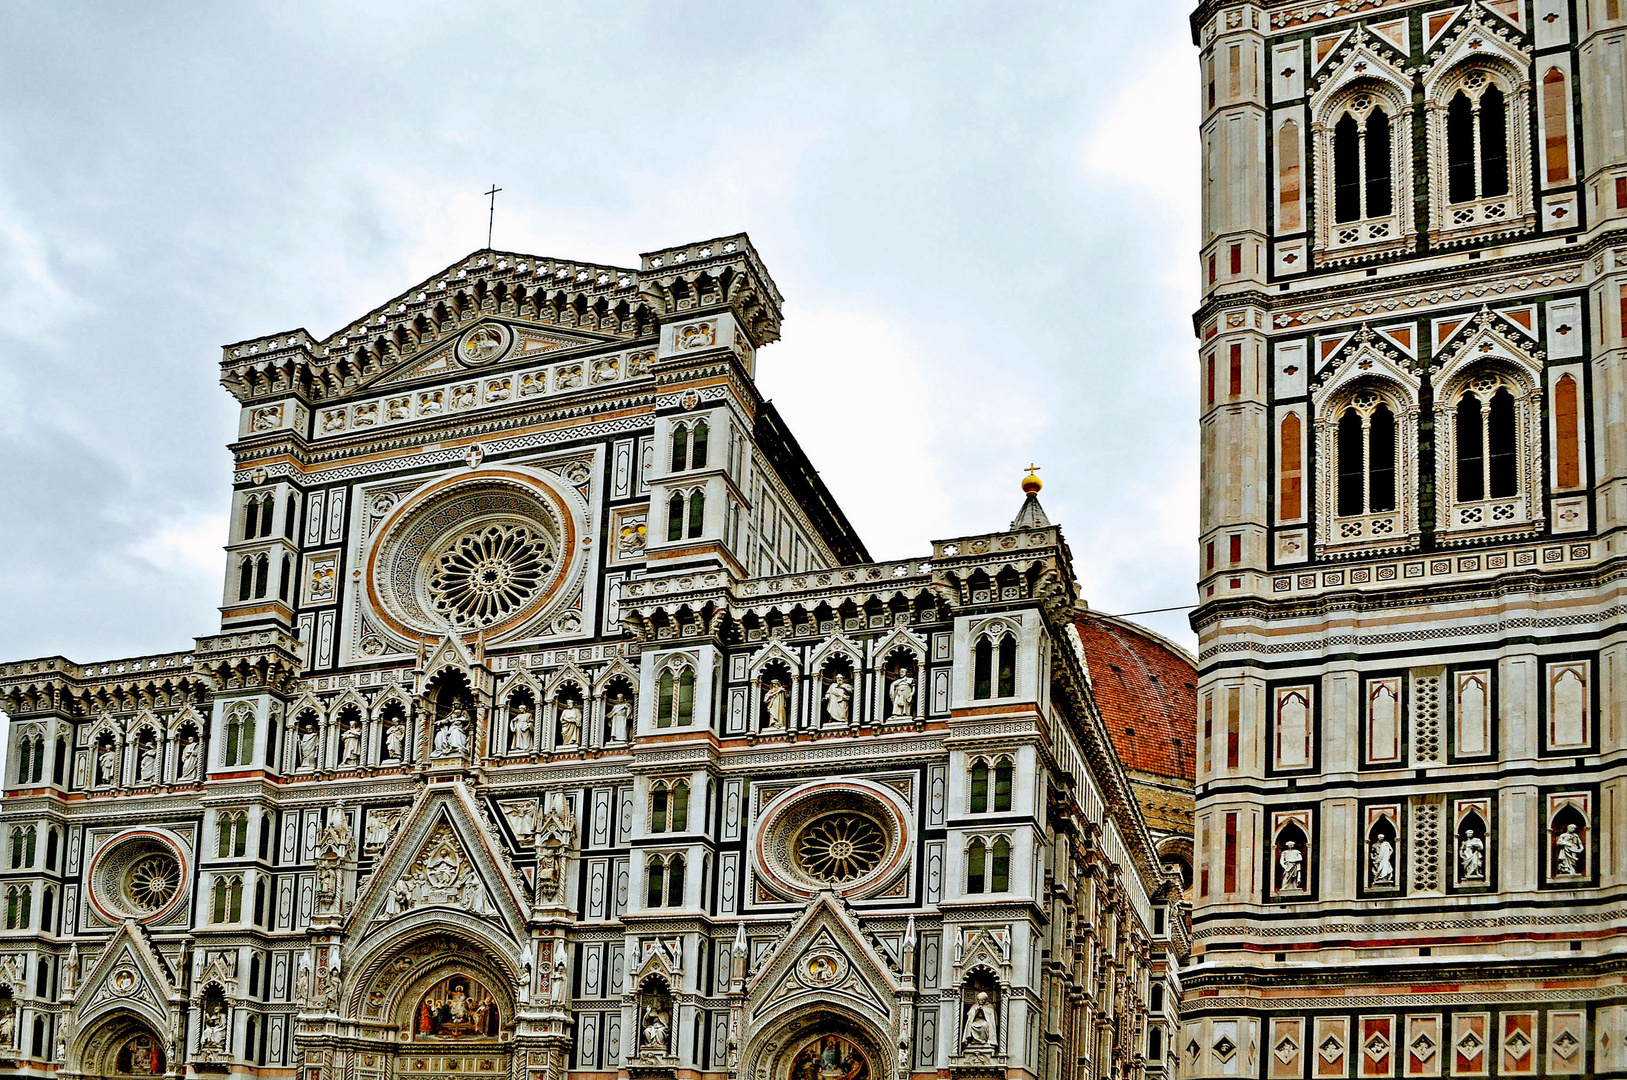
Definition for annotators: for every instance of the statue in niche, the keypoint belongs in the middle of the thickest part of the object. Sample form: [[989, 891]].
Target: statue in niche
[[1381, 861], [1570, 851], [189, 759], [521, 726], [147, 763], [776, 704], [619, 720], [350, 743], [902, 693], [107, 765], [309, 743], [570, 723], [838, 699], [212, 1036], [70, 968], [980, 1028], [654, 1036], [1471, 857], [395, 737], [452, 732], [302, 982], [1291, 868]]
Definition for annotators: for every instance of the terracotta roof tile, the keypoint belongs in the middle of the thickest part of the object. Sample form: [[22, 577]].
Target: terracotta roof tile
[[1147, 692]]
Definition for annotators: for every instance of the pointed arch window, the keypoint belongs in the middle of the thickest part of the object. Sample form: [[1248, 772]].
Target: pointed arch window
[[245, 577], [1363, 148], [982, 668], [978, 798], [658, 808], [1487, 441], [675, 881], [1008, 666], [50, 849], [19, 899], [289, 513], [228, 899], [1476, 142], [675, 697], [675, 517], [47, 909], [655, 882], [1000, 865], [251, 517], [1002, 785], [697, 446], [680, 448], [976, 865], [286, 578], [697, 514], [1366, 451], [262, 576], [679, 815]]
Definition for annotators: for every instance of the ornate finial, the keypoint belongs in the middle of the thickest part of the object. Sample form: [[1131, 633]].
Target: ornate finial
[[1031, 483]]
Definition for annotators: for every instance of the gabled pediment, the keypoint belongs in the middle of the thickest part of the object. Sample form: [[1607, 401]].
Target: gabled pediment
[[489, 345], [1365, 62], [1488, 336], [443, 857], [1365, 354], [825, 956], [129, 974]]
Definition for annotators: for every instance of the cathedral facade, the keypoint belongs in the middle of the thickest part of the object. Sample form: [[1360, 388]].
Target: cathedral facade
[[559, 724], [1412, 759]]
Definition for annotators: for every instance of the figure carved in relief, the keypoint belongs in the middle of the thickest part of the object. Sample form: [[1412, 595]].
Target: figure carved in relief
[[654, 1036], [452, 732], [520, 729], [619, 720], [1381, 861], [395, 737], [838, 699], [309, 741], [902, 693], [570, 723], [523, 816], [1472, 857], [980, 1021], [1570, 852], [350, 744], [107, 765], [212, 1037], [1291, 864], [776, 702], [189, 760]]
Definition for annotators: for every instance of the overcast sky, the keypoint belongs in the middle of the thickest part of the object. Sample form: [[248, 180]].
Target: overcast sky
[[983, 219]]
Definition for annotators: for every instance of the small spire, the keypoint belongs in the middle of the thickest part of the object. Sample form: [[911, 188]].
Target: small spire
[[1032, 515], [740, 938]]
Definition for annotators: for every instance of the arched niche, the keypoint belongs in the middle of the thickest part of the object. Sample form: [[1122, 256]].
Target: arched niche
[[822, 1043], [120, 1045]]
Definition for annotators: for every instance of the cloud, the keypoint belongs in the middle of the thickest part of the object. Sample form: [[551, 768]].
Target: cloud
[[982, 218]]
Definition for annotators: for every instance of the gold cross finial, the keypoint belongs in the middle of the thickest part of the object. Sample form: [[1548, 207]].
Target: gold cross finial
[[1031, 483]]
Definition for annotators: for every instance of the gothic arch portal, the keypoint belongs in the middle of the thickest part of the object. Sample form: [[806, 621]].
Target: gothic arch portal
[[812, 1042], [121, 1044]]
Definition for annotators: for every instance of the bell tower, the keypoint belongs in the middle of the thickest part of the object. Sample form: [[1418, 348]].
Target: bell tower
[[1412, 756]]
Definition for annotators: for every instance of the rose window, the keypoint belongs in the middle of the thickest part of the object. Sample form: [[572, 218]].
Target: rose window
[[840, 847], [851, 836], [151, 883], [484, 576], [137, 876], [490, 551]]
